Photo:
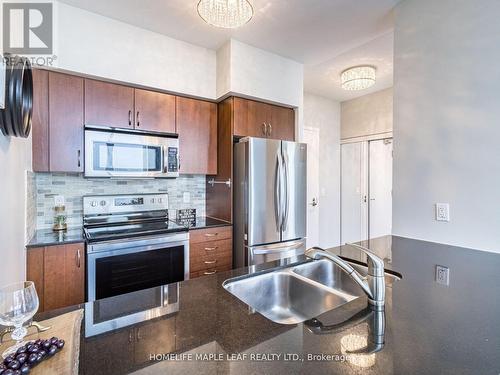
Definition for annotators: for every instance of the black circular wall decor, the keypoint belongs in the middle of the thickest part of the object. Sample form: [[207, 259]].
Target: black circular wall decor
[[15, 118]]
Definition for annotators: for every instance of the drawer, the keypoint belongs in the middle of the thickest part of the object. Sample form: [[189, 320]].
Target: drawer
[[210, 234], [205, 262], [210, 248], [210, 271]]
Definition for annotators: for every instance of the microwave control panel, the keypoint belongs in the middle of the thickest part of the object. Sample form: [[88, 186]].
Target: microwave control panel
[[172, 163]]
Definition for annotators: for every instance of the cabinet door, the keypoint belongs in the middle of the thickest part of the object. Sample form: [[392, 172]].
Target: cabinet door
[[108, 104], [66, 123], [34, 271], [64, 276], [282, 123], [197, 128], [119, 348], [154, 111], [155, 337], [250, 118], [40, 121]]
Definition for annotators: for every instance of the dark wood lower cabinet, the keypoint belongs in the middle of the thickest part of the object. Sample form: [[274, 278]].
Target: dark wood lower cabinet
[[58, 273]]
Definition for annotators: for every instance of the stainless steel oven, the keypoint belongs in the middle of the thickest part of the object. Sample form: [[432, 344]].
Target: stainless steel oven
[[127, 265], [123, 153]]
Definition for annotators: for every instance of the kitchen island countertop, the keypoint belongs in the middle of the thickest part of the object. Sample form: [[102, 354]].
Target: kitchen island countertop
[[430, 328]]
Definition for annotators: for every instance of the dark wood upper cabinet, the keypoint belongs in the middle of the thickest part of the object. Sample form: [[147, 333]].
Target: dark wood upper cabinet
[[250, 118], [282, 123], [109, 104], [197, 128], [66, 123], [257, 119], [154, 111], [40, 121]]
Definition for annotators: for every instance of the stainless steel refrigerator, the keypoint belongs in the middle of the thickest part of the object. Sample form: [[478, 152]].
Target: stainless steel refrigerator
[[270, 187]]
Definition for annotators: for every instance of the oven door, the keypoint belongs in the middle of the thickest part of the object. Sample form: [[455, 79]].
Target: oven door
[[130, 154], [125, 266]]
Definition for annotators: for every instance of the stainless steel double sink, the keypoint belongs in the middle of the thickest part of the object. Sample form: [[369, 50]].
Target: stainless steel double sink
[[298, 293]]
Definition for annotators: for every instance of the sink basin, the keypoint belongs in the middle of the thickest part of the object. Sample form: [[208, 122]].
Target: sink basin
[[329, 274], [295, 294], [286, 298]]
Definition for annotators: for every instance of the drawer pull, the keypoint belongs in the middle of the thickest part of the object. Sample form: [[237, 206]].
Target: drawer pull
[[210, 272], [210, 261], [211, 248], [211, 234]]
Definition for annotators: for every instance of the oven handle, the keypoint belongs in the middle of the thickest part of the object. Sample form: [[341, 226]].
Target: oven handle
[[136, 249], [160, 240]]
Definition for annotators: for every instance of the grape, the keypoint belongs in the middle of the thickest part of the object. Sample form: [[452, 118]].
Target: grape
[[32, 359], [52, 350], [53, 340], [33, 349], [25, 369], [8, 372], [8, 359], [14, 365], [60, 344], [46, 344], [21, 358], [21, 349]]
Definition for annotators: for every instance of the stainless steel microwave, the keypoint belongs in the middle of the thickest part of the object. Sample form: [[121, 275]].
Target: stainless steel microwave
[[122, 153]]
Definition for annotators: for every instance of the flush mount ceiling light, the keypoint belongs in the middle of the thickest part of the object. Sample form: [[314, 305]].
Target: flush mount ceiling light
[[228, 14], [358, 78]]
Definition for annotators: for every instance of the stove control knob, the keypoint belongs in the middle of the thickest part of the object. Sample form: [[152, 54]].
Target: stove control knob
[[93, 203], [103, 203], [152, 200], [160, 200]]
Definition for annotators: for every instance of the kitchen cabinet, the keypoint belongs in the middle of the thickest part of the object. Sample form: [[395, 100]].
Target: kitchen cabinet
[[210, 251], [257, 119], [57, 140], [109, 104], [154, 111], [154, 337], [66, 123], [197, 128], [58, 273]]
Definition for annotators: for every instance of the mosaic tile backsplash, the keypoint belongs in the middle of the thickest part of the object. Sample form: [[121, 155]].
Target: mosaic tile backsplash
[[73, 187]]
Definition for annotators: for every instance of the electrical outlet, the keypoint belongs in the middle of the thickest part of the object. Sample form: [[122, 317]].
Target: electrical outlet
[[442, 212], [442, 275], [186, 197]]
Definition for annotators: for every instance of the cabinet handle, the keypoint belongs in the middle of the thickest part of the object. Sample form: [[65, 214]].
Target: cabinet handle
[[211, 248], [130, 336], [210, 261], [211, 234], [129, 118], [78, 258], [264, 128], [270, 130], [139, 337], [137, 119], [79, 159], [209, 272]]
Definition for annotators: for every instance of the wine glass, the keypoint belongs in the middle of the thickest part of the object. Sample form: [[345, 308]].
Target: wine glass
[[18, 304]]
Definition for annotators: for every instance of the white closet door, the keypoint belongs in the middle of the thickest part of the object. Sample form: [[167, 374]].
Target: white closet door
[[354, 207], [380, 188]]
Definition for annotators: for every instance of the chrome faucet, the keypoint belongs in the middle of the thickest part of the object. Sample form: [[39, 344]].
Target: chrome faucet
[[373, 284]]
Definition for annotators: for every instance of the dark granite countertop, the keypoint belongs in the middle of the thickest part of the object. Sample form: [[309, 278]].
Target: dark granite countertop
[[203, 222], [430, 328], [47, 237]]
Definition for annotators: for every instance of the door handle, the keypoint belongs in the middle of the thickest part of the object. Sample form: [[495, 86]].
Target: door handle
[[79, 159], [211, 248], [270, 130], [137, 119], [210, 272], [314, 202], [78, 258], [264, 128], [210, 261], [286, 202], [277, 192], [129, 118]]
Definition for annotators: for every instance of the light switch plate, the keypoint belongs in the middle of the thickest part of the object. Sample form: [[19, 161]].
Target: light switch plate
[[442, 212], [442, 275]]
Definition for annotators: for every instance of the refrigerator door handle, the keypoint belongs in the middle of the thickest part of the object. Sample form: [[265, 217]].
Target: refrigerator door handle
[[286, 202], [277, 192]]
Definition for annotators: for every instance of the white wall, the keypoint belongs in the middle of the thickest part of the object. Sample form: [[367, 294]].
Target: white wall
[[370, 114], [324, 114], [97, 45], [447, 121], [15, 159], [257, 73]]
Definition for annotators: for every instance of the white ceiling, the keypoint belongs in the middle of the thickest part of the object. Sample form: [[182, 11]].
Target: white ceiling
[[319, 33]]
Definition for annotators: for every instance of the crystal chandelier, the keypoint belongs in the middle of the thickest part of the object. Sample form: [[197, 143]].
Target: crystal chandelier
[[228, 14], [358, 78]]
